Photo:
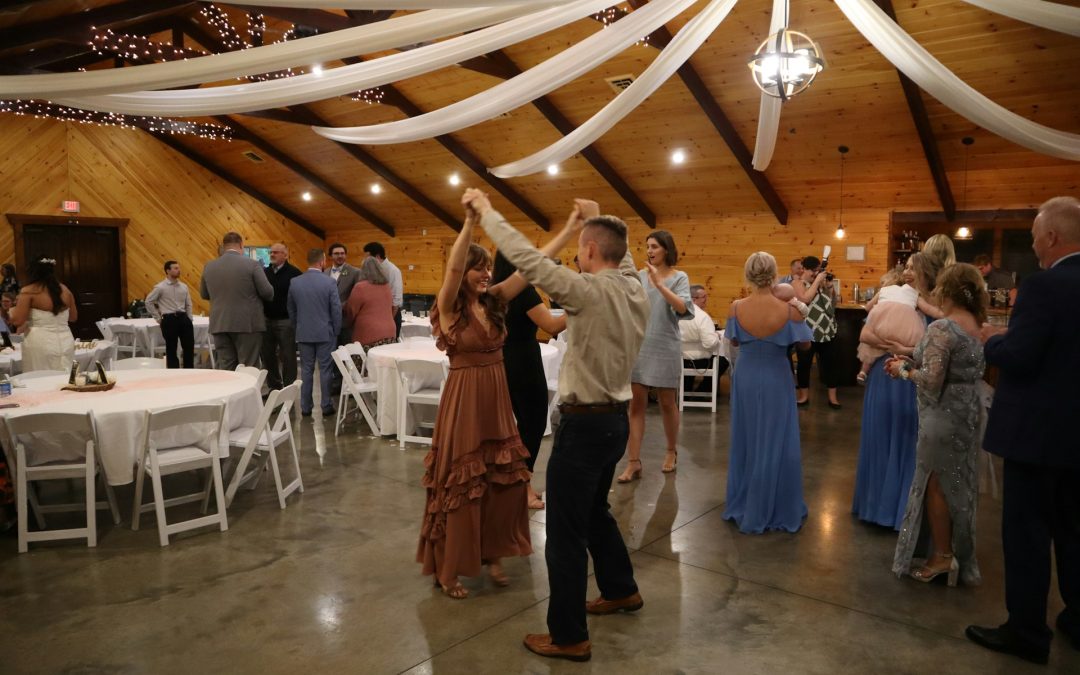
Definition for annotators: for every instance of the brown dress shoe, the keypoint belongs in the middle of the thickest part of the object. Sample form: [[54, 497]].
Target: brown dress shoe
[[630, 603], [541, 644]]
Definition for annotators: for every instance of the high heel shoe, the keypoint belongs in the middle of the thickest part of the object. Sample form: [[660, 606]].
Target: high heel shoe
[[630, 473], [926, 574], [670, 458]]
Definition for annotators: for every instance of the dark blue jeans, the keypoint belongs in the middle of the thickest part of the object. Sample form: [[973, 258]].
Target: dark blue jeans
[[579, 521]]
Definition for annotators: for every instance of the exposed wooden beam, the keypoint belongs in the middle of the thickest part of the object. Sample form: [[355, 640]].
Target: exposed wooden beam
[[498, 61], [408, 189], [395, 98], [245, 134], [76, 27], [362, 17], [237, 183], [73, 55], [926, 132], [689, 75], [315, 18]]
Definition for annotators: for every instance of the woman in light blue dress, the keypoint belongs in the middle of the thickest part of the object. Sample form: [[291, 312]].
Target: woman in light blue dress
[[659, 363], [764, 490]]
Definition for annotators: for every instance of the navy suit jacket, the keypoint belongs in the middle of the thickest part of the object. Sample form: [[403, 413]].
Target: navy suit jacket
[[1034, 415], [314, 307]]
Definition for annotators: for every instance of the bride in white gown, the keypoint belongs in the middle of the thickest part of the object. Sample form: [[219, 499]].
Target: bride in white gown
[[46, 306]]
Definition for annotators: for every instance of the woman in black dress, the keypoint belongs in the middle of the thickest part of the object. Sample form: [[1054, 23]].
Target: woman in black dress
[[524, 368]]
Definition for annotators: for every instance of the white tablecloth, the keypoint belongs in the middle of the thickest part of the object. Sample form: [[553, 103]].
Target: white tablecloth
[[382, 368], [120, 413], [11, 364], [148, 331], [415, 326]]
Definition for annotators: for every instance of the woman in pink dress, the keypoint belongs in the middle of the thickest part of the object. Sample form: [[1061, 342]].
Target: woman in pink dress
[[370, 307]]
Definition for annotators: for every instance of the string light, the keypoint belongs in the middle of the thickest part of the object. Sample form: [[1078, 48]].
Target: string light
[[219, 21], [47, 110], [611, 15], [370, 96], [139, 48]]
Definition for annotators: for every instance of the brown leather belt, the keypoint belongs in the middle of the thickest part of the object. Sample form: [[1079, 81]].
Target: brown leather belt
[[598, 409]]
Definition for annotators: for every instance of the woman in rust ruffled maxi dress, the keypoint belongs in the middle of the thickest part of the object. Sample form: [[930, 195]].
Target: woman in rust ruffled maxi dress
[[476, 476]]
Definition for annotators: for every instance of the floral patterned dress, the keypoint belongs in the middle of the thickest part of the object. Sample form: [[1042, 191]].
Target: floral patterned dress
[[950, 364], [475, 475]]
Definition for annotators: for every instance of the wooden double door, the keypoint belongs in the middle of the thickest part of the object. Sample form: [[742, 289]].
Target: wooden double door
[[89, 254]]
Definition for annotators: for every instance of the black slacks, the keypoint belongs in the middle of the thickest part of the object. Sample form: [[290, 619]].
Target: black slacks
[[1040, 505], [178, 328], [827, 364], [579, 520]]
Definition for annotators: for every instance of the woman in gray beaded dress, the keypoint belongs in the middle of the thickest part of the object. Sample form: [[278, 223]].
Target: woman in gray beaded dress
[[946, 368], [659, 363]]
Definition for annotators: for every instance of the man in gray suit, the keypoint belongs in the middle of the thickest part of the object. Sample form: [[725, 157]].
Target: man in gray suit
[[236, 287], [345, 276], [315, 311]]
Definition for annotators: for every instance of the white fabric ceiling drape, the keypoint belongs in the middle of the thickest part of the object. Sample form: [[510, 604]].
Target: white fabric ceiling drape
[[769, 111], [530, 85], [395, 32], [337, 81], [938, 81], [684, 44], [390, 4], [1050, 15]]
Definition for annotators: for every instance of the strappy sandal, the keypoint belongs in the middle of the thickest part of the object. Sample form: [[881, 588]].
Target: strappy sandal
[[670, 459], [457, 591], [630, 473], [499, 578]]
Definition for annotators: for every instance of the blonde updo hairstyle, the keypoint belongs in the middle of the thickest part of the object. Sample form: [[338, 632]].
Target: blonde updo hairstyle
[[760, 270], [940, 249], [962, 285]]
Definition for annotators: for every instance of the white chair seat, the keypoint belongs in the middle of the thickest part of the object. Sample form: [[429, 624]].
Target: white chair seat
[[431, 395], [181, 456], [242, 435]]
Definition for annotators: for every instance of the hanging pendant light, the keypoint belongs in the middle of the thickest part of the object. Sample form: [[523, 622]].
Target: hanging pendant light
[[786, 62], [963, 233], [840, 234]]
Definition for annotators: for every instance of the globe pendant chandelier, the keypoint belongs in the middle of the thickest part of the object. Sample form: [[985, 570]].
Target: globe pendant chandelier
[[786, 63]]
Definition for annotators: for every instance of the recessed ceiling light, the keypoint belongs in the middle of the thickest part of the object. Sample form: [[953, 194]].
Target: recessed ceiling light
[[553, 169], [306, 196], [455, 179], [316, 70], [376, 188], [678, 157]]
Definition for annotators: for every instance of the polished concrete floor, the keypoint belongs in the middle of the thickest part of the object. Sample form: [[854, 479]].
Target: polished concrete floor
[[329, 584]]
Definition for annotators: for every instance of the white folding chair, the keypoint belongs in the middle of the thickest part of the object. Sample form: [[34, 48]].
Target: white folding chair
[[157, 342], [258, 374], [82, 427], [105, 351], [709, 396], [353, 387], [410, 330], [416, 388], [156, 462], [263, 440], [126, 339], [35, 374], [139, 363], [103, 328], [207, 344]]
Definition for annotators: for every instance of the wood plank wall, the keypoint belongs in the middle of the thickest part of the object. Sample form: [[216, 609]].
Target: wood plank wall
[[176, 208], [712, 252]]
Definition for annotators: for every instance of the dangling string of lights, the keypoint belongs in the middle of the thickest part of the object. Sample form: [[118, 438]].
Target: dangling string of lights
[[48, 110], [139, 48], [256, 28], [219, 21], [370, 96], [612, 14]]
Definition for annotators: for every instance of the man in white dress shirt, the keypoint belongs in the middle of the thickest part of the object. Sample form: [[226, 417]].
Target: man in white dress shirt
[[393, 276], [699, 342], [170, 304]]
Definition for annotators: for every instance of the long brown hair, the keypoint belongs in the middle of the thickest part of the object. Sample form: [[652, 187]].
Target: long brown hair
[[478, 258]]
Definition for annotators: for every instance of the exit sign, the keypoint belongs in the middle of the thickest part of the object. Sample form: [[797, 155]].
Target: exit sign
[[69, 206]]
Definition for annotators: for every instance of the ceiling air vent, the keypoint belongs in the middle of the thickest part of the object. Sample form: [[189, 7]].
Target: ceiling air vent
[[252, 156], [619, 82]]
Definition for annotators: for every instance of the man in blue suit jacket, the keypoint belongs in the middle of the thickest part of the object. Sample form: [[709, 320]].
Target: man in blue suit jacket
[[315, 311], [1033, 426]]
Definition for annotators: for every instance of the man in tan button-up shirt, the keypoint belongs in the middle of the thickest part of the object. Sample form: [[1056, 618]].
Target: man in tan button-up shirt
[[607, 310]]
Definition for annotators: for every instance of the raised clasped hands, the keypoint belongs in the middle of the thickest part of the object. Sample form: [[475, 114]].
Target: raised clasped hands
[[476, 203], [583, 210]]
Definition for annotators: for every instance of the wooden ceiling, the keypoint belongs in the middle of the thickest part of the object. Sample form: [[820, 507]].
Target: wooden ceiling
[[710, 110]]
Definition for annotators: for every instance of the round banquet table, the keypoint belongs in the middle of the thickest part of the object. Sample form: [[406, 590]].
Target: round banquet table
[[11, 362], [415, 326], [148, 331], [382, 367], [119, 414]]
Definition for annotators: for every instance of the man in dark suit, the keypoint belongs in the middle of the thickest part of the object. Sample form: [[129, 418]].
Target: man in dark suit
[[236, 287], [1032, 426], [279, 341], [315, 311]]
